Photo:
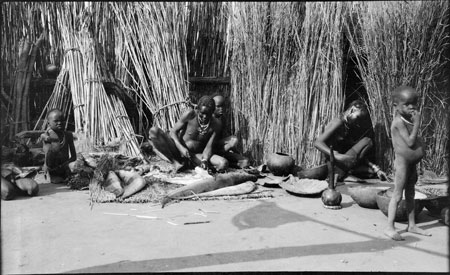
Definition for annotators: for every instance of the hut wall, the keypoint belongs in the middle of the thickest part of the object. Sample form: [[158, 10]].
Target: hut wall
[[285, 63]]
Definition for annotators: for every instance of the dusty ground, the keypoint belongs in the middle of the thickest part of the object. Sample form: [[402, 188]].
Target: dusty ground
[[58, 231]]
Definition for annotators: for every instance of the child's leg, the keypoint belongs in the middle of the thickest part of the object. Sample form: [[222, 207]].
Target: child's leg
[[360, 149], [164, 147], [226, 144], [236, 160], [220, 163], [401, 177], [410, 203]]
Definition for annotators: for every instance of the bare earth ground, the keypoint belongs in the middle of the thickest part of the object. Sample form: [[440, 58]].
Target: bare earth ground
[[58, 231]]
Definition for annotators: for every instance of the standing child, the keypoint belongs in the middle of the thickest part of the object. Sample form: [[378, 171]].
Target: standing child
[[58, 147], [408, 149]]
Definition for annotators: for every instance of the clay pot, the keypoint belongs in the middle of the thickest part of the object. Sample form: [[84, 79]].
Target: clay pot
[[445, 216], [365, 196], [28, 186], [384, 197], [9, 191], [436, 204], [280, 164]]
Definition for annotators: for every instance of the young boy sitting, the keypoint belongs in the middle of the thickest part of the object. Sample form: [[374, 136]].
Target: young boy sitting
[[409, 150], [58, 147], [227, 146], [191, 138]]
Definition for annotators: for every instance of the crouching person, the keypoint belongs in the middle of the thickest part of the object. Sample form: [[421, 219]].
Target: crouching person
[[191, 139]]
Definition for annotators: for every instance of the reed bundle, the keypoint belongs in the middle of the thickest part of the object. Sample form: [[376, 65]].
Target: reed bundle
[[402, 43], [286, 75], [206, 39], [154, 35], [98, 116], [60, 98]]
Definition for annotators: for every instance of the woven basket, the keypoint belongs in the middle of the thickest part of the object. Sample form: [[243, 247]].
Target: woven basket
[[304, 186]]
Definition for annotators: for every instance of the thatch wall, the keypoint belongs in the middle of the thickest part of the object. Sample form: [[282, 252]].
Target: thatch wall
[[285, 64]]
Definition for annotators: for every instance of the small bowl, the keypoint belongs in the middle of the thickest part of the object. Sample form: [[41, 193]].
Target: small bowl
[[384, 197], [319, 172], [365, 196]]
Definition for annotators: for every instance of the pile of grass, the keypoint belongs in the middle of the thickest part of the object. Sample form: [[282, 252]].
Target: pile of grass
[[403, 43], [286, 70]]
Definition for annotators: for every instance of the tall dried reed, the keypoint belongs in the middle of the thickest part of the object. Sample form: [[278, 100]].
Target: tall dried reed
[[286, 70], [154, 36]]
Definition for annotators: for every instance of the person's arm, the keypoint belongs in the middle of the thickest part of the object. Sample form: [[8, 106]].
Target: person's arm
[[73, 152], [328, 133], [207, 152], [409, 138], [377, 170], [179, 125]]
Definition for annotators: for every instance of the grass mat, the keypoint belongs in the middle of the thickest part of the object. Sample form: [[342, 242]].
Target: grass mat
[[154, 192], [157, 189]]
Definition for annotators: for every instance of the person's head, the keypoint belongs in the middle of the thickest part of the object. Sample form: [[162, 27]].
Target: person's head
[[405, 100], [205, 109], [55, 119], [219, 101], [356, 112]]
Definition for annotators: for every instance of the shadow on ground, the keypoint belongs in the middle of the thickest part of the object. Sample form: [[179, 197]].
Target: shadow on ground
[[168, 264], [265, 215]]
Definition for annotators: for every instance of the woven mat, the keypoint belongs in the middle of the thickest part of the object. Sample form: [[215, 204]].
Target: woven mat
[[157, 189], [153, 193]]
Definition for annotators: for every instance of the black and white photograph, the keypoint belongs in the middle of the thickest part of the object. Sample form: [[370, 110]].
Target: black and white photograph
[[231, 137]]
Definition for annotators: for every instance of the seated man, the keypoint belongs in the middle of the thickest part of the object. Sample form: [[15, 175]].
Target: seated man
[[191, 138], [351, 141], [227, 146], [58, 147]]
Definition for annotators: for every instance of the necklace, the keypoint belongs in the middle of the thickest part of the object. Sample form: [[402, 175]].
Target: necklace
[[406, 121], [61, 142], [202, 128]]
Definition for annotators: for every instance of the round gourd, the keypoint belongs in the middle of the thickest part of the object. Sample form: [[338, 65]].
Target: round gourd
[[8, 190], [28, 186]]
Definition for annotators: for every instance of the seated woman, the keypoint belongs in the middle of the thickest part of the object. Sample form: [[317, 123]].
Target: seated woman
[[351, 137]]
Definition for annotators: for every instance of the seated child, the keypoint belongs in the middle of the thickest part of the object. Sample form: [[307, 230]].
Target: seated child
[[58, 147], [409, 150], [191, 138], [227, 146]]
